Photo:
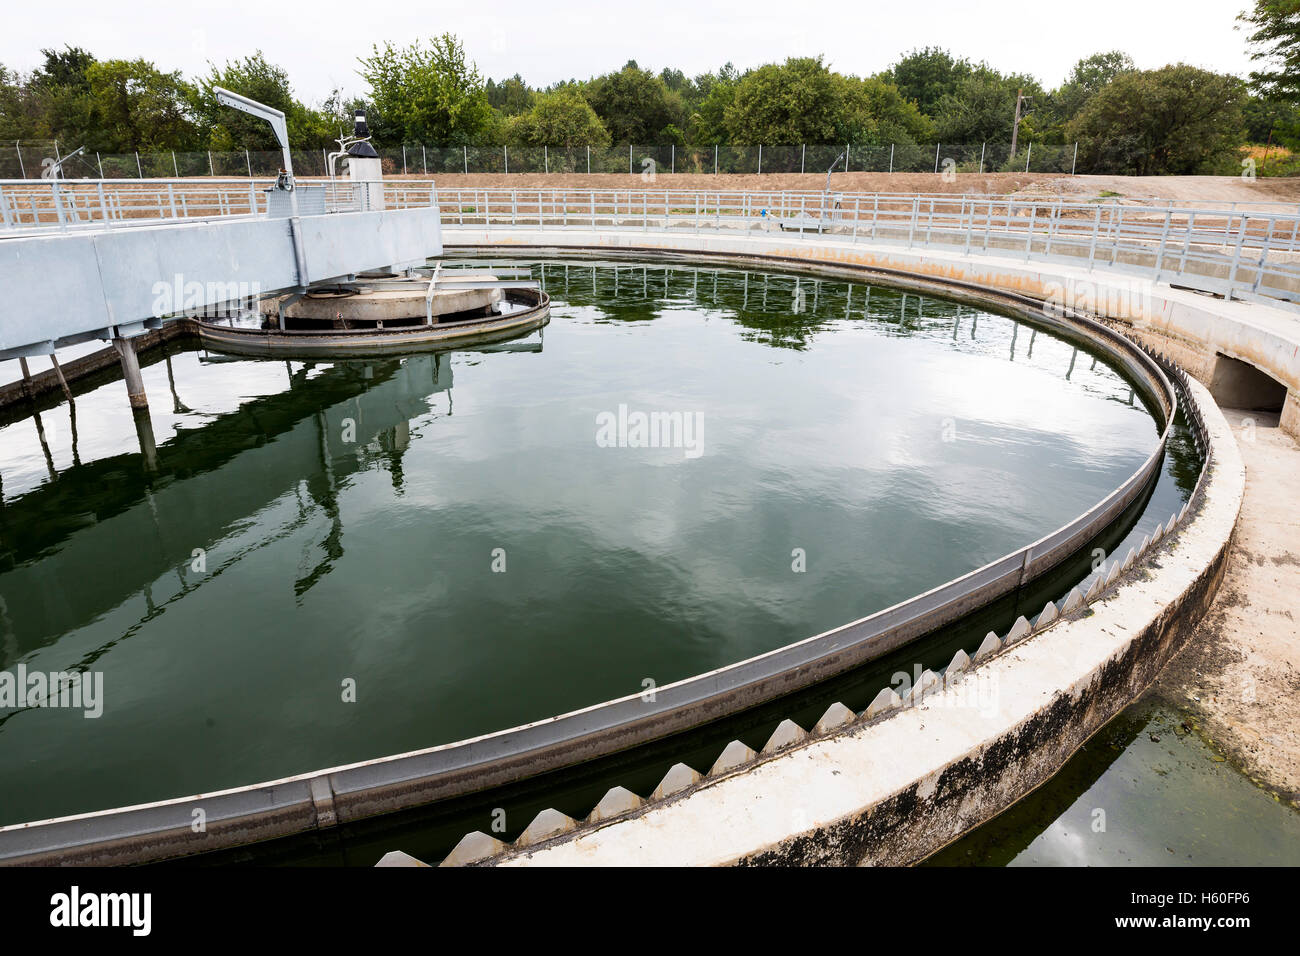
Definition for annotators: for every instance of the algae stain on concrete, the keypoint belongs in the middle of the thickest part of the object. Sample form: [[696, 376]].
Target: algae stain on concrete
[[1148, 790]]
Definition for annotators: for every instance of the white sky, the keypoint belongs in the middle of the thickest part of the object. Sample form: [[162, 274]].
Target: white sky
[[319, 42]]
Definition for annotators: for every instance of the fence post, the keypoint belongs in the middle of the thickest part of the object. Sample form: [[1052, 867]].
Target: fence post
[[760, 159], [139, 170], [891, 159], [1029, 151], [505, 151], [403, 159], [936, 157], [672, 158], [424, 159], [18, 150], [247, 159], [175, 169], [982, 148], [465, 153], [1236, 257], [715, 159], [546, 159], [629, 159], [588, 160], [848, 147], [1164, 240], [803, 157], [99, 162], [1263, 255], [1096, 229], [1074, 164]]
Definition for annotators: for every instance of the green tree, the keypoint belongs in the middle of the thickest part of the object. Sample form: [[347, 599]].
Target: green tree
[[1088, 77], [1275, 42], [877, 114], [1275, 38], [19, 116], [982, 108], [562, 118], [254, 77], [798, 101], [926, 76], [511, 96], [138, 107], [427, 94], [634, 105], [1175, 120], [59, 96], [717, 92]]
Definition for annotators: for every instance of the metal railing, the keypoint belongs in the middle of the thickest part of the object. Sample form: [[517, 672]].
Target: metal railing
[[1233, 253], [1225, 251]]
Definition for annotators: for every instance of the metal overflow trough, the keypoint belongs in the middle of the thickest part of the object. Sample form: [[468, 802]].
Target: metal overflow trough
[[344, 794]]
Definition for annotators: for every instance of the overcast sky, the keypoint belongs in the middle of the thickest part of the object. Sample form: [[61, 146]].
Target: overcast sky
[[319, 43]]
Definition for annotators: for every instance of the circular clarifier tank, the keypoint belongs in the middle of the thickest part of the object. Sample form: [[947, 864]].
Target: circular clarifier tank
[[335, 561]]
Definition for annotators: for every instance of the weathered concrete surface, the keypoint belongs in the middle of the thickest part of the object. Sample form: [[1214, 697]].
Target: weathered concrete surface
[[1239, 675], [896, 790], [1193, 329]]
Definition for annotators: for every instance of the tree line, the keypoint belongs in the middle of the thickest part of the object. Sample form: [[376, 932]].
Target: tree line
[[1175, 119]]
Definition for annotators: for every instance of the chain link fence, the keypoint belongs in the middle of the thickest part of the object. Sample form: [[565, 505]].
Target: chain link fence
[[34, 160]]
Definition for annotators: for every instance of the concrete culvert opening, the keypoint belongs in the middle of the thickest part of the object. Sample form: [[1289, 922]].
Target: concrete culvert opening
[[1238, 384]]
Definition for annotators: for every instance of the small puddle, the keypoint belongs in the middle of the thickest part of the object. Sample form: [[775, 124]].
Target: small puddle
[[1147, 790]]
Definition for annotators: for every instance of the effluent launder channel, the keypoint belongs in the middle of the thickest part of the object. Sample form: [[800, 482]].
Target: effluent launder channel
[[332, 561]]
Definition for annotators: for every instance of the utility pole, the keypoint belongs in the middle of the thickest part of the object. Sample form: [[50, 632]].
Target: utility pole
[[1015, 129]]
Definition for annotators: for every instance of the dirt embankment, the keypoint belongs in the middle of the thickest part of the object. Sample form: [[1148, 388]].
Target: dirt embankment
[[1199, 189]]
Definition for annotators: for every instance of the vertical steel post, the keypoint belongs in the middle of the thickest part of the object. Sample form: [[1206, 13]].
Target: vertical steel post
[[1263, 255], [891, 159], [131, 372], [1164, 239]]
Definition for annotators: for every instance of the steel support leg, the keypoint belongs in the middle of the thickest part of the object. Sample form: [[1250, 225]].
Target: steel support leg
[[131, 372]]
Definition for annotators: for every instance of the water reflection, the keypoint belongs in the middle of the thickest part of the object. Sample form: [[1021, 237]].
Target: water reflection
[[347, 513]]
